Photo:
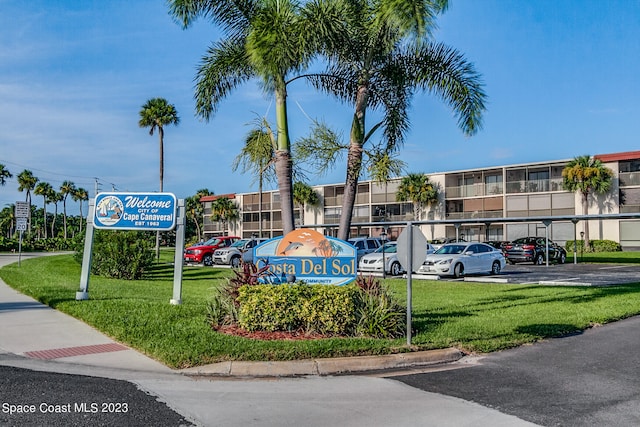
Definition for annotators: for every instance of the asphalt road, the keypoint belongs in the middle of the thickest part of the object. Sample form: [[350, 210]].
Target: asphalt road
[[34, 398], [589, 379]]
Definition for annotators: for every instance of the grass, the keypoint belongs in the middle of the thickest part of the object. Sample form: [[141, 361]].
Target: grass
[[472, 316]]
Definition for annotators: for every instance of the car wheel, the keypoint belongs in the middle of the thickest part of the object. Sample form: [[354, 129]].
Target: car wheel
[[539, 260], [495, 267], [207, 260], [235, 262], [395, 269], [458, 270], [563, 258]]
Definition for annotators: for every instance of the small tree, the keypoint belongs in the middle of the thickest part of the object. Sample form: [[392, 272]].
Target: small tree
[[66, 188], [44, 189], [586, 175], [417, 188], [224, 210], [303, 195], [80, 195]]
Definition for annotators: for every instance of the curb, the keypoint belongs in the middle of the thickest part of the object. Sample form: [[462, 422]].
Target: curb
[[323, 367]]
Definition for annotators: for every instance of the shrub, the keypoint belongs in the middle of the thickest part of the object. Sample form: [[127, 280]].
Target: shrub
[[311, 308], [594, 246], [121, 254]]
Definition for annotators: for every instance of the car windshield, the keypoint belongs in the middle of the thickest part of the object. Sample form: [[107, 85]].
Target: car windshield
[[211, 242], [389, 248], [239, 243], [451, 249]]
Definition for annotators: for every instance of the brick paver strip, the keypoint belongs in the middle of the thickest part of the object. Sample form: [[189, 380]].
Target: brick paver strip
[[57, 353]]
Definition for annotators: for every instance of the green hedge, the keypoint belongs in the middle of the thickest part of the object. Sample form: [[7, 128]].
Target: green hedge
[[312, 308], [595, 246]]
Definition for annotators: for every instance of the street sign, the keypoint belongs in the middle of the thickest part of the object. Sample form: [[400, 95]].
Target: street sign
[[418, 248], [22, 210], [21, 224], [135, 211]]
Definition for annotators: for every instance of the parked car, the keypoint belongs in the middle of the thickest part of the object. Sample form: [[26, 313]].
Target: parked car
[[373, 262], [203, 253], [242, 250], [365, 245], [458, 259], [437, 243], [498, 244], [533, 249]]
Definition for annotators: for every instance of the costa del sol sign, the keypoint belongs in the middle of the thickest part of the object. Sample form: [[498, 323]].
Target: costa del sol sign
[[307, 255]]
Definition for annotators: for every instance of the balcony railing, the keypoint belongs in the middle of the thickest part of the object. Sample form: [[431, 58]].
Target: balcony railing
[[534, 186], [475, 214], [474, 190], [629, 178]]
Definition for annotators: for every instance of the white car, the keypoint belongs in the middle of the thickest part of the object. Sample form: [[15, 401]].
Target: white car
[[372, 263], [242, 250], [458, 259]]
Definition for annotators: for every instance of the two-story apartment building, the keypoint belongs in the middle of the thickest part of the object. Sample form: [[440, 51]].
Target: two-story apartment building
[[511, 191]]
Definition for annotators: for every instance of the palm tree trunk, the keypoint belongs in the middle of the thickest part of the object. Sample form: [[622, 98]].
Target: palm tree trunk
[[64, 217], [585, 211], [44, 210], [161, 137], [283, 162], [354, 162], [81, 218]]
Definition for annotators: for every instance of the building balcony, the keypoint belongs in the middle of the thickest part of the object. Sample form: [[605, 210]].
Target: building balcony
[[474, 190], [628, 179], [534, 186], [475, 214]]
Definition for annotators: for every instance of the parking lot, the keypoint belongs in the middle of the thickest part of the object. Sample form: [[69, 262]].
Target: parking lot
[[558, 275]]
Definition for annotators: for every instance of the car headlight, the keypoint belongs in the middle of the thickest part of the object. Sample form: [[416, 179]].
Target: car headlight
[[446, 261], [197, 251]]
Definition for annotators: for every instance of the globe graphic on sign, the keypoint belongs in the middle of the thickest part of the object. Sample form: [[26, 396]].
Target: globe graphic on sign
[[109, 210]]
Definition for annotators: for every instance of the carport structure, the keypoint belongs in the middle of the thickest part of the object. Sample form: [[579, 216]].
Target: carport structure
[[547, 221]]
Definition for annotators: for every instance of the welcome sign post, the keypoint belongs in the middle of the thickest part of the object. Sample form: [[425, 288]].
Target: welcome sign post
[[135, 211]]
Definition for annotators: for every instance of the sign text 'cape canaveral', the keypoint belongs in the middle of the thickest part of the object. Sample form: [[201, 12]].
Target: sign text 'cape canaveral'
[[135, 211]]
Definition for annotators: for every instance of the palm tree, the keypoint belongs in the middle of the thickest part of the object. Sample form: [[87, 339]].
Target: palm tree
[[417, 188], [27, 182], [258, 156], [80, 195], [8, 219], [377, 67], [158, 113], [44, 189], [304, 195], [586, 175], [268, 40], [4, 174], [54, 197], [224, 210], [195, 210], [155, 114], [66, 188]]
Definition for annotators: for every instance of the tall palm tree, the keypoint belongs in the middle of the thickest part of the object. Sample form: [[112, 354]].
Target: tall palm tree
[[418, 189], [268, 40], [44, 189], [157, 113], [80, 195], [4, 174], [224, 210], [376, 66], [27, 182], [258, 157], [586, 175], [8, 219], [304, 195], [66, 188]]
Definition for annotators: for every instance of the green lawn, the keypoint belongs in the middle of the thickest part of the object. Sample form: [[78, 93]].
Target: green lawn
[[476, 317]]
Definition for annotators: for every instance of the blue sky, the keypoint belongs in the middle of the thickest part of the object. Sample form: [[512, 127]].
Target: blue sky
[[561, 79]]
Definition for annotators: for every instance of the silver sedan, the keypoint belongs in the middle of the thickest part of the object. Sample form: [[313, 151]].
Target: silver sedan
[[458, 259]]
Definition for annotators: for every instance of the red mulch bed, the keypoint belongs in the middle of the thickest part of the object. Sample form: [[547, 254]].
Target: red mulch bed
[[266, 335]]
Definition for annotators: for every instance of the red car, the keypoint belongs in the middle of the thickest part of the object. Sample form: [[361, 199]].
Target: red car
[[203, 252]]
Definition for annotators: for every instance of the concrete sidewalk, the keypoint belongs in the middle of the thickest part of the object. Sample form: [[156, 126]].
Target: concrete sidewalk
[[35, 331]]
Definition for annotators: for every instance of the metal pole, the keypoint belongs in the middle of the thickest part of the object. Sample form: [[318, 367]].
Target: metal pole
[[575, 241], [179, 256], [410, 263], [83, 293]]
